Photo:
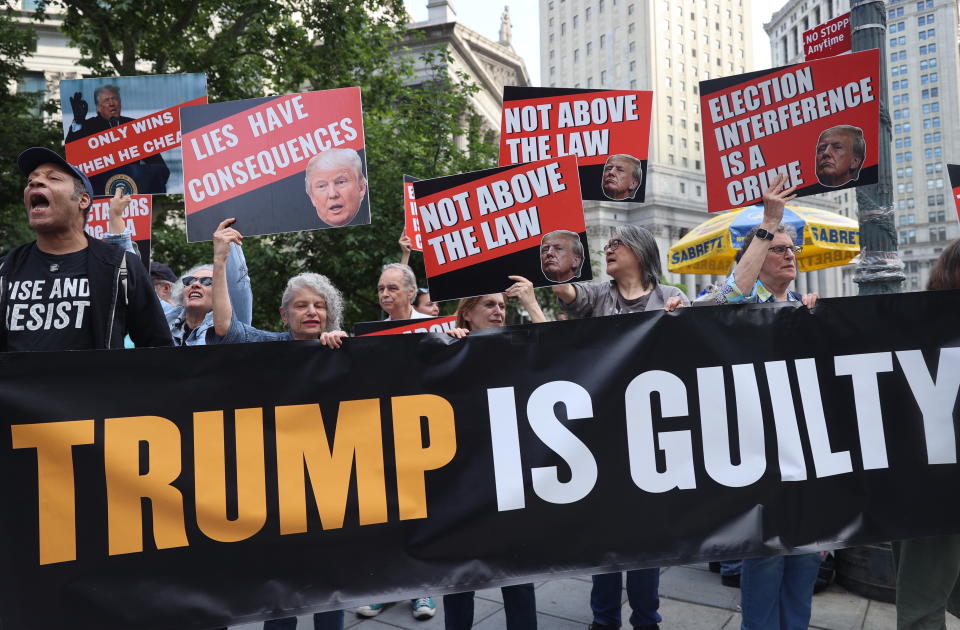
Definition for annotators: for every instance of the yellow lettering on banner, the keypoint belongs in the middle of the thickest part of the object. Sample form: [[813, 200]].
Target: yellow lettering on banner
[[209, 463], [54, 442], [302, 442], [126, 487], [413, 459]]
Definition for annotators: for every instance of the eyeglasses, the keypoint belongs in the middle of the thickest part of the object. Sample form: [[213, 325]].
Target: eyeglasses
[[613, 245], [205, 281], [781, 250]]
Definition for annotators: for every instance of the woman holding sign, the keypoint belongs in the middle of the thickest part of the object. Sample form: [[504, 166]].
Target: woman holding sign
[[633, 261], [479, 313]]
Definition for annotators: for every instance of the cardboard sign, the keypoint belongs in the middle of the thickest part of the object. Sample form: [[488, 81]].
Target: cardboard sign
[[608, 131], [411, 220], [405, 326], [816, 122], [277, 164], [481, 227], [137, 216], [115, 129], [954, 172], [828, 39]]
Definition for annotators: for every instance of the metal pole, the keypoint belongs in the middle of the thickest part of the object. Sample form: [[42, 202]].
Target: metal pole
[[880, 269]]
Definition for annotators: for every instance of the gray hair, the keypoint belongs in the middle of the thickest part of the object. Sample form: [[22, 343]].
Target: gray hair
[[789, 230], [100, 89], [855, 134], [409, 279], [575, 245], [644, 246], [177, 293], [333, 158], [322, 286], [637, 168]]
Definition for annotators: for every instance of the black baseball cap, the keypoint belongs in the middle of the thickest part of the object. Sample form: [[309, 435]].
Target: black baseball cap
[[159, 271], [33, 157]]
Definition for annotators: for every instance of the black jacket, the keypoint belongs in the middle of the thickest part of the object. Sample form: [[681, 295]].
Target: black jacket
[[112, 315]]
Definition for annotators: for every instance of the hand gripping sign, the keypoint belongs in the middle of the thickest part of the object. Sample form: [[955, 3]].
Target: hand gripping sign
[[816, 122], [277, 164], [137, 218], [479, 228], [608, 131], [954, 171]]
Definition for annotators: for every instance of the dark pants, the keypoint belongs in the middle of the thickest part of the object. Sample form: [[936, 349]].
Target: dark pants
[[332, 620], [519, 606], [928, 581], [642, 593]]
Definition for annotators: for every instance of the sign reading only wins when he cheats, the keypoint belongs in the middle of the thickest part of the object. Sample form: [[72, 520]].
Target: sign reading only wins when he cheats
[[124, 132], [608, 131], [815, 122], [480, 228], [277, 164]]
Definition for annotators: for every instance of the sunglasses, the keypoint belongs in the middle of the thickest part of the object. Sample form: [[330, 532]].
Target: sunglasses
[[205, 281]]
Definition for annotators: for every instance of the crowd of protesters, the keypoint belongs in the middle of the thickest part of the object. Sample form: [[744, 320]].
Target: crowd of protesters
[[68, 291]]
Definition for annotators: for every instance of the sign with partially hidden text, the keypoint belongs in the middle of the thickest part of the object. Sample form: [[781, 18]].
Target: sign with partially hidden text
[[411, 219], [124, 132], [277, 164], [954, 171], [815, 122], [828, 39], [400, 465], [405, 326], [608, 131], [480, 228], [136, 217]]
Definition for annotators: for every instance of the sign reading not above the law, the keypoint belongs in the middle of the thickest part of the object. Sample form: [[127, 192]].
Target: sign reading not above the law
[[815, 122], [480, 228], [277, 164], [608, 131]]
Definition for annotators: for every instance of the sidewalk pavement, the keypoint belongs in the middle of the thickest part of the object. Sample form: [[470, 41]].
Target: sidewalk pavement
[[691, 598]]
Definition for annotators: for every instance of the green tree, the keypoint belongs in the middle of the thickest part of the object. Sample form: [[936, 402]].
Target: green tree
[[253, 48], [23, 122]]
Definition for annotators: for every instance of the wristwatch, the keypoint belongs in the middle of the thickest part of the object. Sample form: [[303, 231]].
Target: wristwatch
[[763, 235]]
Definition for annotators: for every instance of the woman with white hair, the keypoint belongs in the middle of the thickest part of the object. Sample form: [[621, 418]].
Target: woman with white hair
[[311, 306]]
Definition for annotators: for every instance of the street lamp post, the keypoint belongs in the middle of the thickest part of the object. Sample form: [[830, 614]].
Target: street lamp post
[[880, 269]]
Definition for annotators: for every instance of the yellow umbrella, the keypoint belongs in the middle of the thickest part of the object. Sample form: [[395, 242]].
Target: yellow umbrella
[[828, 239]]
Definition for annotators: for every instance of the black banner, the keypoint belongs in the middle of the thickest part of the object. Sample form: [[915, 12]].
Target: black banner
[[411, 464]]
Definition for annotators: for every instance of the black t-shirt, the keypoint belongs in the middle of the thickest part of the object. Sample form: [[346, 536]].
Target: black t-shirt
[[636, 305], [48, 303]]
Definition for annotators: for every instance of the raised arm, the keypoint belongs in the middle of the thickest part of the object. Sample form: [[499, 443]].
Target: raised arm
[[774, 199], [117, 232], [565, 292], [405, 247], [238, 284], [522, 289], [224, 239]]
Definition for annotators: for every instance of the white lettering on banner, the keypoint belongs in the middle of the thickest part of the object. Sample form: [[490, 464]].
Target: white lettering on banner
[[657, 400], [35, 305]]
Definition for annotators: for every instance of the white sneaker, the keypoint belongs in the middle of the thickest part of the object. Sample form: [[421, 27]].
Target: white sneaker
[[371, 610], [423, 608]]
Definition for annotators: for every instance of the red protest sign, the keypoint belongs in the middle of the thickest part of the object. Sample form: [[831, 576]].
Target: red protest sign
[[828, 39], [137, 218], [405, 326], [954, 172], [411, 220], [130, 142], [594, 125], [278, 164], [815, 122], [479, 228]]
